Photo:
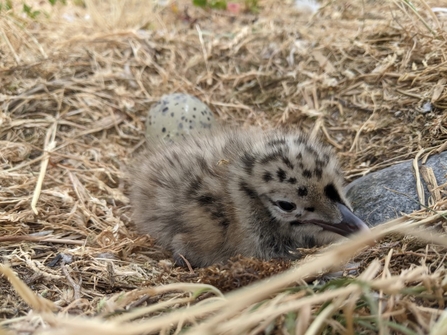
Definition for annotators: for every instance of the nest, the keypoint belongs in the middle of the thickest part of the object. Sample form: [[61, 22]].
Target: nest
[[76, 83]]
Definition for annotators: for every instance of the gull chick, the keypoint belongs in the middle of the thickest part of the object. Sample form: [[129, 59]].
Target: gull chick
[[255, 193]]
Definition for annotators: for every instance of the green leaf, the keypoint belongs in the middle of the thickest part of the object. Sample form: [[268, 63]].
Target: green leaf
[[218, 4], [28, 10], [6, 6], [53, 2], [199, 3]]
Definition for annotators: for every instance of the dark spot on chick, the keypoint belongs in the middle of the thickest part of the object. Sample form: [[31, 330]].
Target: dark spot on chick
[[267, 176], [206, 199], [244, 187], [307, 174], [275, 142], [292, 180], [248, 161], [270, 157], [319, 163], [164, 110], [302, 191], [163, 130], [287, 162], [201, 161], [215, 208], [311, 150], [224, 222], [318, 173], [281, 175], [205, 167], [172, 114], [309, 209], [194, 186], [299, 140], [221, 217]]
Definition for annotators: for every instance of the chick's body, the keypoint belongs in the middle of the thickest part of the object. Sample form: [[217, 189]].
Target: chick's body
[[248, 192]]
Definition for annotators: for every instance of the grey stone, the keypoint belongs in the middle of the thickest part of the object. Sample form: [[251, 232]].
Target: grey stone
[[386, 194]]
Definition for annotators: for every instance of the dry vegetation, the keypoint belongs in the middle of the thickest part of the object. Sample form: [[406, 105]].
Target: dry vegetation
[[367, 76]]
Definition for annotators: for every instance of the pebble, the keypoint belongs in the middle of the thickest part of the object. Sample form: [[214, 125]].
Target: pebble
[[386, 194]]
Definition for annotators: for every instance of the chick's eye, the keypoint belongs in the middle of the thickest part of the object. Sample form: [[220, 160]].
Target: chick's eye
[[286, 206]]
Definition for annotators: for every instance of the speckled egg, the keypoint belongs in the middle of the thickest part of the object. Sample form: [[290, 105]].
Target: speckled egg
[[178, 114]]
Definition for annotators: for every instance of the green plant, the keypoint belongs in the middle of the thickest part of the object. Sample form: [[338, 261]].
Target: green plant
[[53, 2], [215, 4], [30, 12], [251, 5], [7, 5]]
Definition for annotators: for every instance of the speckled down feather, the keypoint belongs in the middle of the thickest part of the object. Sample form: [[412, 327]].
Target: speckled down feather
[[249, 192]]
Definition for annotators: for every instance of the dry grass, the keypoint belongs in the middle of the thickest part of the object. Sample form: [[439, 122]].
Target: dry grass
[[366, 76]]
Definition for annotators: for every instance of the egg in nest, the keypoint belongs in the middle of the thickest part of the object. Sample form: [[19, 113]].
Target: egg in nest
[[178, 114]]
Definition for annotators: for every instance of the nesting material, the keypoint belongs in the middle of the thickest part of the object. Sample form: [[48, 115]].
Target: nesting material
[[367, 77]]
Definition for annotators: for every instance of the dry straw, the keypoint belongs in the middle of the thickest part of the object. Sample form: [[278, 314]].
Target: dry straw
[[76, 85]]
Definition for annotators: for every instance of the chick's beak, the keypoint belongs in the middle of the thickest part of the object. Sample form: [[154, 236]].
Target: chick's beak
[[349, 224]]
